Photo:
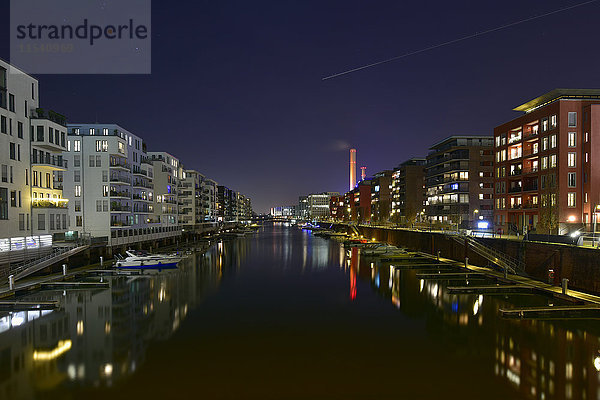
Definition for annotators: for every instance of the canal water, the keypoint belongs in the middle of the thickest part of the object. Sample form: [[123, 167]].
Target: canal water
[[283, 314]]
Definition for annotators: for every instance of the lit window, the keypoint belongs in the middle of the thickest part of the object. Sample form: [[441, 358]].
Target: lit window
[[77, 191], [544, 163], [545, 144], [553, 121], [92, 130], [105, 131], [77, 145], [571, 160], [571, 141], [552, 141], [553, 161], [570, 199], [571, 179]]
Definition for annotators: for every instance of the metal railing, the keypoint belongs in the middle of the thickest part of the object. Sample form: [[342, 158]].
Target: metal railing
[[502, 260]]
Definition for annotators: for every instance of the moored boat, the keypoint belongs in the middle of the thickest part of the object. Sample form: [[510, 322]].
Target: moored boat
[[143, 260]]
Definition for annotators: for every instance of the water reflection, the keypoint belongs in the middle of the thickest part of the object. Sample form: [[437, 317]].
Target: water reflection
[[286, 314], [99, 337], [538, 359]]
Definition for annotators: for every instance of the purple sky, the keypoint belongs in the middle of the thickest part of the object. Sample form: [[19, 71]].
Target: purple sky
[[236, 89]]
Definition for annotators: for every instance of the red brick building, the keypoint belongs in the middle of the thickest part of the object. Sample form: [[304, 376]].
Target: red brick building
[[336, 208], [546, 177]]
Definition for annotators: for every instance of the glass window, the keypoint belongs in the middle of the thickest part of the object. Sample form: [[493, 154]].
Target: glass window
[[571, 178], [571, 199], [553, 121], [572, 119], [553, 161], [3, 203], [553, 141], [571, 161], [571, 139], [544, 143]]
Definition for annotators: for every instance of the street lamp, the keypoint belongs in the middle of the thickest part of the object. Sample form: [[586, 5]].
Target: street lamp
[[475, 211]]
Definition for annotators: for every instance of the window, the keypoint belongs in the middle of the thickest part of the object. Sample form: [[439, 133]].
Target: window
[[77, 161], [544, 144], [571, 179], [21, 222], [98, 145], [40, 134], [571, 139], [571, 160], [77, 145], [553, 161], [77, 205], [105, 176], [570, 199], [92, 161], [3, 124], [13, 151], [98, 161], [19, 130], [105, 145], [544, 124], [587, 156], [3, 203], [78, 220], [92, 130], [553, 141], [13, 198], [77, 190], [105, 131], [105, 190], [553, 199], [553, 121], [572, 119], [41, 222], [98, 205], [4, 173], [77, 176], [544, 163], [585, 197], [105, 205], [11, 102]]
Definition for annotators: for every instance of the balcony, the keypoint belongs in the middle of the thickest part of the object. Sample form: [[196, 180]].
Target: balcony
[[120, 180], [516, 172], [141, 172], [121, 194], [530, 170], [117, 207], [142, 184], [515, 189], [49, 203], [56, 163], [530, 188], [119, 224], [122, 165], [530, 206]]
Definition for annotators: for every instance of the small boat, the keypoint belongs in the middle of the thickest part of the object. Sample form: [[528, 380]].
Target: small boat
[[141, 259]]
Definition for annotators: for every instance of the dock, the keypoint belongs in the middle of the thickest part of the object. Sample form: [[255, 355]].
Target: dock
[[10, 305], [74, 285], [495, 289], [451, 275], [552, 312]]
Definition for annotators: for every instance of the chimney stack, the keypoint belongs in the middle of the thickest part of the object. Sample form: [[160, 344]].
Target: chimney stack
[[363, 173], [352, 169]]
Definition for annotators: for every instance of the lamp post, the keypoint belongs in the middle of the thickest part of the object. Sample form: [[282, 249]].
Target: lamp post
[[475, 212]]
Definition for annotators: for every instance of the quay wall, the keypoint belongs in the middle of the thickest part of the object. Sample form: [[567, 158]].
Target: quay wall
[[580, 265]]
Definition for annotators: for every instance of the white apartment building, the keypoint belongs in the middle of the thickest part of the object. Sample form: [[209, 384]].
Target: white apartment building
[[110, 184], [209, 200], [31, 165], [190, 199], [168, 172]]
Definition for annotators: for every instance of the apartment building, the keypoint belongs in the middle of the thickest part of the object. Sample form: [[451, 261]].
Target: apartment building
[[381, 196], [32, 205], [336, 208], [459, 181], [110, 184], [546, 179], [357, 202], [408, 190], [209, 200], [168, 175], [191, 211], [318, 205]]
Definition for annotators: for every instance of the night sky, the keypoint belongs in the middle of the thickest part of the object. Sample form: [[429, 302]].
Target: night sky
[[236, 90]]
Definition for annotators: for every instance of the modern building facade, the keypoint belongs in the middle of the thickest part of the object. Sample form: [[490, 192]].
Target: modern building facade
[[31, 165], [546, 177], [191, 210], [110, 183], [459, 181], [168, 174], [381, 198], [408, 191], [318, 205], [336, 208]]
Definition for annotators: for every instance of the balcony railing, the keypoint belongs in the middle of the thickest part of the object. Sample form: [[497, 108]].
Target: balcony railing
[[119, 207], [514, 189], [119, 223], [122, 179], [48, 159], [119, 164], [116, 193], [50, 203]]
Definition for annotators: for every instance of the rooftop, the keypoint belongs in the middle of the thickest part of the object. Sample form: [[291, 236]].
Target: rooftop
[[449, 139], [559, 94]]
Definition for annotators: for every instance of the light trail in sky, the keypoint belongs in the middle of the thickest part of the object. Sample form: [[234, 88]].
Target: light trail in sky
[[435, 46]]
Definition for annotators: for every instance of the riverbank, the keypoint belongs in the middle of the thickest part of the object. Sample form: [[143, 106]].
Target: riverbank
[[548, 263]]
